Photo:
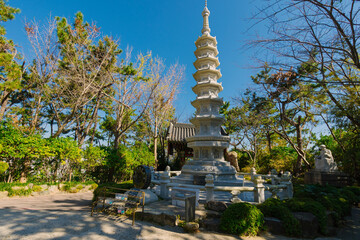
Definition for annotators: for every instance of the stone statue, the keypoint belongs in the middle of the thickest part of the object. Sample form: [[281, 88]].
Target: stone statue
[[232, 158], [325, 161]]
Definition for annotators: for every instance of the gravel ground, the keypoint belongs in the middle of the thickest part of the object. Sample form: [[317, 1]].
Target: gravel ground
[[67, 216]]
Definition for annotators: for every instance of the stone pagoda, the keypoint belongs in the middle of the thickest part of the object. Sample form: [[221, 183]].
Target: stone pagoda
[[208, 142]]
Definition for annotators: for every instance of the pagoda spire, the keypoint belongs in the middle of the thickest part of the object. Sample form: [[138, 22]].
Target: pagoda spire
[[206, 13]]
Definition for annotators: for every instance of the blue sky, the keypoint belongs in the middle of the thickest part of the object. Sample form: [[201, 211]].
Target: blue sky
[[168, 28]]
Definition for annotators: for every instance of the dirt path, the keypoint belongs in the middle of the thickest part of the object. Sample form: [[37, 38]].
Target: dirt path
[[67, 216]]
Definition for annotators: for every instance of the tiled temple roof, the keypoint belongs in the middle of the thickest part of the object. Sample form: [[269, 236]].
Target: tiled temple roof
[[178, 132]]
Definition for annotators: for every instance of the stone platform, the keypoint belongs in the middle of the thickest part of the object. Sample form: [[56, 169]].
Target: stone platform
[[336, 179]]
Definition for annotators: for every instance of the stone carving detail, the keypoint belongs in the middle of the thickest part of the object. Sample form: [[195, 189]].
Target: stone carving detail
[[196, 153], [325, 161], [216, 153], [204, 153]]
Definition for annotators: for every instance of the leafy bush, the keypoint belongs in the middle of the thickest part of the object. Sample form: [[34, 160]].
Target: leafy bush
[[3, 167], [66, 187], [332, 198], [352, 194], [36, 188], [243, 219], [275, 208], [19, 192], [93, 186]]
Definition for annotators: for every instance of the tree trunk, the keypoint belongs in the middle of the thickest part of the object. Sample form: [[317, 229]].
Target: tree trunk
[[301, 153], [155, 152], [4, 104], [155, 145]]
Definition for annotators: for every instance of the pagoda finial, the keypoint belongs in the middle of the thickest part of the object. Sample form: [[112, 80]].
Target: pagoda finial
[[205, 14]]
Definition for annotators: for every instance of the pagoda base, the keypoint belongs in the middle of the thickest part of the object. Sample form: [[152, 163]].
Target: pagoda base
[[194, 173]]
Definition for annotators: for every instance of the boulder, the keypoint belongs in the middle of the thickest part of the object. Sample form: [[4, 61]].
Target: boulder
[[211, 224], [191, 227], [17, 188], [53, 189], [46, 192], [274, 225], [30, 185], [4, 194], [150, 197], [217, 206], [308, 222], [169, 220], [212, 214], [35, 194]]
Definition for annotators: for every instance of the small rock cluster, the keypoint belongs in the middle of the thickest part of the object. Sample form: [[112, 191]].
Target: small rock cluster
[[214, 210]]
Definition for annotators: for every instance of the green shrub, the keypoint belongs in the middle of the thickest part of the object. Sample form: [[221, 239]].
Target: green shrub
[[79, 187], [93, 186], [276, 208], [66, 188], [74, 190], [3, 167], [242, 219], [309, 205], [36, 188], [19, 192], [353, 197], [355, 190]]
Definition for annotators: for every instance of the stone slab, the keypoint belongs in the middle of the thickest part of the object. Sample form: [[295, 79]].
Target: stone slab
[[337, 179], [308, 222], [274, 225]]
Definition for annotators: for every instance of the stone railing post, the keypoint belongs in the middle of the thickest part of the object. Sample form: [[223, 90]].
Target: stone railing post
[[235, 198], [259, 191], [286, 180], [164, 181], [252, 173], [273, 176], [209, 186]]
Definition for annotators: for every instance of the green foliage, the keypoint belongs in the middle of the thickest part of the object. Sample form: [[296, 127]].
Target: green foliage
[[334, 199], [10, 70], [19, 192], [121, 162], [282, 158], [278, 209], [243, 219], [3, 167], [93, 186], [36, 188]]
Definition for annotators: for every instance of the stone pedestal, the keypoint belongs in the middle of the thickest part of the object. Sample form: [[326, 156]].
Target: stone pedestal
[[337, 179]]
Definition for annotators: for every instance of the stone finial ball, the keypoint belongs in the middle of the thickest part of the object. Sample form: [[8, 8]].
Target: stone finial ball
[[322, 146]]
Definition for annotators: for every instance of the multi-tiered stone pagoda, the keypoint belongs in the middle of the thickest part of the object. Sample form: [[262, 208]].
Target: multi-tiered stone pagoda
[[208, 143]]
